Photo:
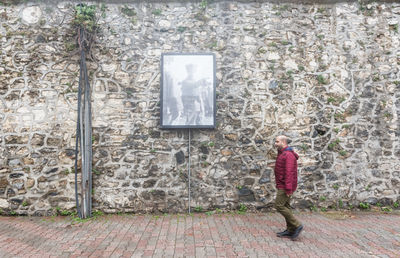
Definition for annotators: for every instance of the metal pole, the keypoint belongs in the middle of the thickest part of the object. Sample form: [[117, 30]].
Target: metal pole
[[189, 169], [85, 140], [88, 144], [82, 145]]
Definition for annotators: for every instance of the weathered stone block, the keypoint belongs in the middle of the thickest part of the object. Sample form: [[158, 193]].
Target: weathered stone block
[[10, 192], [30, 182], [180, 157], [3, 182], [248, 181], [246, 195], [149, 183], [16, 175], [231, 137], [53, 141], [266, 177], [158, 195], [37, 140], [304, 204], [12, 139], [226, 152]]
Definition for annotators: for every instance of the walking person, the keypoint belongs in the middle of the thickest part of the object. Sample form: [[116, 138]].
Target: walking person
[[286, 184]]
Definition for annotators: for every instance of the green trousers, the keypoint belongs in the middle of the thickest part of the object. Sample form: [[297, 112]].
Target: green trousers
[[282, 205]]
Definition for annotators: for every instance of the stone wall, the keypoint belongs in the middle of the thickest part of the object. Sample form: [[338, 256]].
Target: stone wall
[[327, 75]]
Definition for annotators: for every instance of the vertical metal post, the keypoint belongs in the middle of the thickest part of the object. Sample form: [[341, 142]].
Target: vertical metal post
[[86, 142], [82, 138], [189, 169]]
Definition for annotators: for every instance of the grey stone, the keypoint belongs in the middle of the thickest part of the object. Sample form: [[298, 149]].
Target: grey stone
[[372, 200], [18, 184], [304, 204], [158, 195], [366, 109], [51, 171], [31, 14], [204, 149], [10, 192], [249, 181], [149, 183], [376, 173], [362, 132], [4, 204], [395, 182], [331, 176], [11, 139], [368, 92], [264, 180], [385, 201], [16, 201], [38, 139], [321, 130], [310, 168], [317, 176], [266, 177], [16, 175], [180, 157], [53, 141], [40, 39], [246, 195], [14, 162], [326, 165]]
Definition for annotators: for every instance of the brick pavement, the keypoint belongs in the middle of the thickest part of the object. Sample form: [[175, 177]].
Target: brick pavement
[[200, 235]]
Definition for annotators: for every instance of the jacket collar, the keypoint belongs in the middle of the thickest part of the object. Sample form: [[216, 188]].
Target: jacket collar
[[288, 148]]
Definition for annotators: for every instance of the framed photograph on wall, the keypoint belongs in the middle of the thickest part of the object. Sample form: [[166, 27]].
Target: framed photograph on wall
[[188, 86]]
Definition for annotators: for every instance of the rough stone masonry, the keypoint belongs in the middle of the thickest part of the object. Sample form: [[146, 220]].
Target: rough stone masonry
[[326, 74]]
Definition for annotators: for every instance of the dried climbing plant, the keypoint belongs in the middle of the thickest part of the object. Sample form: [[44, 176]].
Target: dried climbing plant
[[85, 24]]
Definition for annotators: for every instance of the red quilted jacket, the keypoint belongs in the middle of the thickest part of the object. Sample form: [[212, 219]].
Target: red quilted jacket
[[286, 170]]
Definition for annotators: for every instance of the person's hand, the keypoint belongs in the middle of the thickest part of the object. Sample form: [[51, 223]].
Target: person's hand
[[288, 195]]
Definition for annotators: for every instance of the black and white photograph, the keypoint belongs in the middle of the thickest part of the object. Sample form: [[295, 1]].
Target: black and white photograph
[[187, 90]]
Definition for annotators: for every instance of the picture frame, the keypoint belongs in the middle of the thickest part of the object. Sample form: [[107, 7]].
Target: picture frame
[[188, 90]]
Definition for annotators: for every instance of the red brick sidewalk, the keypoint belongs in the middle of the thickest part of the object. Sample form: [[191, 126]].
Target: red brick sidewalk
[[218, 235]]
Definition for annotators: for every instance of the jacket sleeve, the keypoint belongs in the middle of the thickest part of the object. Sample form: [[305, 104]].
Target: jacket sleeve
[[290, 173]]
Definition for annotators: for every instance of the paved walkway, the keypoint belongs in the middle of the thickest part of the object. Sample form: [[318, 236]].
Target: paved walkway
[[200, 235]]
